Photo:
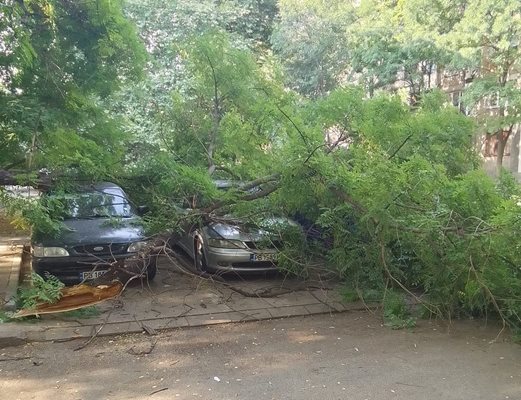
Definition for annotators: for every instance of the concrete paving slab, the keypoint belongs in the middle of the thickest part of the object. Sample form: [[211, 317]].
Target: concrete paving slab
[[56, 322], [116, 329], [63, 334], [255, 315], [292, 299], [12, 335], [320, 309], [166, 323], [12, 242], [290, 311], [177, 300], [212, 319], [208, 310], [10, 266], [327, 296], [238, 302], [170, 323]]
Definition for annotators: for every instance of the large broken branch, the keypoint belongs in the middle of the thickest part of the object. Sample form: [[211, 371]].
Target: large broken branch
[[272, 180], [74, 298], [257, 182], [41, 181]]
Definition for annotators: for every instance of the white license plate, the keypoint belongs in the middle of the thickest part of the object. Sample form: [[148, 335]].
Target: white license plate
[[92, 274], [264, 257]]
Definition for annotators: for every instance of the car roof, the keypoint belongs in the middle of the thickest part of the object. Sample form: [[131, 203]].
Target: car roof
[[226, 183], [103, 186]]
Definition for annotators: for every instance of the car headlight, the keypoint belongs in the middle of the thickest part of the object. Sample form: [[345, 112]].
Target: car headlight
[[40, 251], [226, 244], [136, 247]]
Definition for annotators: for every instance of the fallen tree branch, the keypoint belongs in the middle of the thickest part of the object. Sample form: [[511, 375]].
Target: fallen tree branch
[[271, 179], [262, 293], [400, 146], [490, 295], [432, 308], [42, 180]]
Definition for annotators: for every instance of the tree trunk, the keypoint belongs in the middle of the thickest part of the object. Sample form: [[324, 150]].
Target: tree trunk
[[501, 144], [42, 182], [502, 139]]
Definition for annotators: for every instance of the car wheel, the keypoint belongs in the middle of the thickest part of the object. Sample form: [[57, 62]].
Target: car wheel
[[199, 257]]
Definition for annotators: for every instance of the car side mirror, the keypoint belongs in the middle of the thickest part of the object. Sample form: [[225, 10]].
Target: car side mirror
[[142, 210]]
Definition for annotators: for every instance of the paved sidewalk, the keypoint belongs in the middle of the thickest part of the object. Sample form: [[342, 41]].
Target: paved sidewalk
[[12, 243], [176, 299]]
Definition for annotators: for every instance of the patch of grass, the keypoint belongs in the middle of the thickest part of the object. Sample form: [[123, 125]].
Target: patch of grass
[[5, 317], [396, 313], [372, 295], [87, 312], [349, 294]]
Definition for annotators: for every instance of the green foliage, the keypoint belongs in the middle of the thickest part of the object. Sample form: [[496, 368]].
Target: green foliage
[[62, 57], [28, 213], [405, 203], [87, 312], [349, 294], [310, 40], [5, 317], [46, 290], [391, 182], [114, 222], [396, 314]]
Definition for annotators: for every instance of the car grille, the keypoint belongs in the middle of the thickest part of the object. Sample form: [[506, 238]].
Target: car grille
[[255, 264], [266, 244], [101, 249]]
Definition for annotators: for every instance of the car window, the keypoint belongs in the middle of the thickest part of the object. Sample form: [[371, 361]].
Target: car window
[[95, 205]]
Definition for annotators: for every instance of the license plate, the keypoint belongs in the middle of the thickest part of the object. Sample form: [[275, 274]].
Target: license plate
[[264, 257], [92, 274]]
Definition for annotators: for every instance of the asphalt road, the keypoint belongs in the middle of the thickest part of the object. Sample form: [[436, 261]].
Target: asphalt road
[[341, 356]]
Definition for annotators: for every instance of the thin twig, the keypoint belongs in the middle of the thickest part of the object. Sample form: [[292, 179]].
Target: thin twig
[[14, 358], [96, 333], [157, 391], [491, 296], [433, 309]]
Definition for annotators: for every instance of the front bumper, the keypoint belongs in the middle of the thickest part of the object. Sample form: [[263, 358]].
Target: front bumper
[[240, 260], [69, 269]]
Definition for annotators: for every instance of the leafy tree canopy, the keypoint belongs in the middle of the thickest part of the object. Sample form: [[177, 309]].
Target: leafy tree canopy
[[392, 187], [58, 58]]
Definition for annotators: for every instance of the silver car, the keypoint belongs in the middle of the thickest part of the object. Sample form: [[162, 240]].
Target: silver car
[[233, 246], [219, 247]]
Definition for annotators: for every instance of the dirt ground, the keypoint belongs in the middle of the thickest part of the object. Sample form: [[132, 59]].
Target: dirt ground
[[339, 356]]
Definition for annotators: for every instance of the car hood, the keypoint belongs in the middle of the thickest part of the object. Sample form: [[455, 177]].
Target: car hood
[[95, 231], [249, 232]]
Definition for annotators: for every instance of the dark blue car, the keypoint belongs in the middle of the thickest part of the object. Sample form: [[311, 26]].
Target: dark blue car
[[100, 228]]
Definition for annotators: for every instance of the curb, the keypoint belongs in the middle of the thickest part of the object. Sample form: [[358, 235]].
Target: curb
[[14, 277], [15, 334]]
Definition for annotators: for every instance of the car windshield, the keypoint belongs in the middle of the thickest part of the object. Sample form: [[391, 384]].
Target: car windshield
[[96, 205]]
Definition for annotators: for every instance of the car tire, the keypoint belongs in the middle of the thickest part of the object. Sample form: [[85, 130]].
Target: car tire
[[199, 257]]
